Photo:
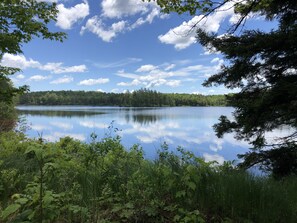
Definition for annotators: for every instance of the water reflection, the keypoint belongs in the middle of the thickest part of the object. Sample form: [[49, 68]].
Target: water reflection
[[145, 119], [58, 113], [189, 127]]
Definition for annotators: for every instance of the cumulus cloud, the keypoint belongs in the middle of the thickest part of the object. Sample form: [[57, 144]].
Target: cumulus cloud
[[153, 78], [167, 74], [94, 81], [67, 17], [185, 35], [122, 11], [20, 61], [146, 68], [120, 8], [39, 78], [95, 25], [63, 80]]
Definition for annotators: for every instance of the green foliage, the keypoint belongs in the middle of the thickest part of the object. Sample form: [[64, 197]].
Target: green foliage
[[139, 98], [20, 21], [71, 181], [263, 66]]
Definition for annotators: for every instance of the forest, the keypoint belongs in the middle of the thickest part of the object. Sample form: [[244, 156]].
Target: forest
[[138, 98]]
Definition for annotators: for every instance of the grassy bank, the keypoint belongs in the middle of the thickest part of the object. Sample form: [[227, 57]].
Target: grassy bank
[[70, 181]]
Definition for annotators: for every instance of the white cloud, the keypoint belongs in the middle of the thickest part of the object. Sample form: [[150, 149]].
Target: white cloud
[[50, 1], [169, 67], [94, 81], [173, 83], [217, 145], [96, 26], [148, 19], [63, 80], [215, 157], [215, 60], [68, 16], [122, 73], [39, 78], [234, 18], [161, 81], [185, 35], [39, 128], [133, 83], [180, 37], [20, 61], [58, 68], [20, 76], [146, 68], [100, 90], [57, 135], [164, 74], [120, 8], [62, 125], [115, 90], [93, 124]]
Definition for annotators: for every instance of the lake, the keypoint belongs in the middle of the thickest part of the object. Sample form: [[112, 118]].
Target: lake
[[188, 127]]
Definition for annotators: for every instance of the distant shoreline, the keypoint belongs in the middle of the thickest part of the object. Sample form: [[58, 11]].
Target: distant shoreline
[[139, 98]]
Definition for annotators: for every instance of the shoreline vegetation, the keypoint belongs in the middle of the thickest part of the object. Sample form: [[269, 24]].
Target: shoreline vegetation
[[139, 98], [72, 181]]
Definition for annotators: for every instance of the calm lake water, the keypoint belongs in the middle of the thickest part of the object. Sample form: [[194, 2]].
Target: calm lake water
[[188, 127]]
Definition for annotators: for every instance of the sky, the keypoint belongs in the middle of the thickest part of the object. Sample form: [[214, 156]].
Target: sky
[[120, 45]]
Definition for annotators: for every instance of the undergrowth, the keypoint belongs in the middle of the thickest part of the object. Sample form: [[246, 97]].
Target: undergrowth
[[71, 181]]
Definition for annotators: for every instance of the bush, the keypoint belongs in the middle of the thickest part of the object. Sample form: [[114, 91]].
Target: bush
[[71, 181]]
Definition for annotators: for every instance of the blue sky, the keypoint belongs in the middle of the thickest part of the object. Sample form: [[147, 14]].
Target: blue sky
[[117, 45]]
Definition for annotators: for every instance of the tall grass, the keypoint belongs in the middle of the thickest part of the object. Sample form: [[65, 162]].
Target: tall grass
[[70, 181]]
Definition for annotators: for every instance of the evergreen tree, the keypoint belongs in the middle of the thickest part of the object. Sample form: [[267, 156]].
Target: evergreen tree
[[264, 66]]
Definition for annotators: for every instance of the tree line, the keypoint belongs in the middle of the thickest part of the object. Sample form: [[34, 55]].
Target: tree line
[[139, 98]]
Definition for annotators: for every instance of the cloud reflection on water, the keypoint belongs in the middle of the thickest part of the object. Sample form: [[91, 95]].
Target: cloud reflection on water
[[189, 127]]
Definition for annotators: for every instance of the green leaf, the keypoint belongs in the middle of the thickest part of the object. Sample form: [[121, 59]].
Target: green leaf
[[191, 185], [22, 200], [180, 194], [11, 209]]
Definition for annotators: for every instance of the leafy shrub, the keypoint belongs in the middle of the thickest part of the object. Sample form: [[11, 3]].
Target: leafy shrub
[[71, 181]]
